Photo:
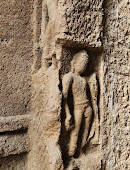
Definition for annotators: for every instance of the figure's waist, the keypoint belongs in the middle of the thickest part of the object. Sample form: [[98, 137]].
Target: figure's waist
[[82, 103]]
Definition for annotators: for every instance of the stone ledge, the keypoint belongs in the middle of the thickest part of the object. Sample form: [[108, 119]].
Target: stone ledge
[[13, 144], [13, 123]]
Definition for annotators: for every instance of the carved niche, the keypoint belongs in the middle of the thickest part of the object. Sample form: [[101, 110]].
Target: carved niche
[[81, 102], [77, 85], [71, 47]]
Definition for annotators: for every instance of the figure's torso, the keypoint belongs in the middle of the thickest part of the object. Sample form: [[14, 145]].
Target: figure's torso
[[79, 89]]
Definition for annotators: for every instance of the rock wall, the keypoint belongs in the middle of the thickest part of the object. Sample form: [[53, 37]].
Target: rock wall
[[56, 44], [64, 84], [115, 120], [16, 58]]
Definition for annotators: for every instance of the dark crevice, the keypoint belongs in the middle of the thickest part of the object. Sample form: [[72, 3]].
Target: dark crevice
[[19, 131], [64, 135], [103, 166], [98, 97], [2, 133], [16, 156]]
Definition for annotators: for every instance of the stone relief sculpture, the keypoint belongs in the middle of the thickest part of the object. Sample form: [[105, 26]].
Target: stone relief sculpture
[[64, 69], [77, 84], [72, 111], [48, 30]]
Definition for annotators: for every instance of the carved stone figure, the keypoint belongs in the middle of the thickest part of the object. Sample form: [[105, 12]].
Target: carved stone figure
[[48, 30], [77, 84]]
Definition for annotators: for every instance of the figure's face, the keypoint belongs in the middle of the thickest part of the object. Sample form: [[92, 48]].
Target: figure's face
[[81, 64]]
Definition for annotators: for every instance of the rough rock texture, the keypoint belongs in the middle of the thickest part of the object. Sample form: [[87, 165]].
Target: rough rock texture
[[16, 58], [54, 49], [17, 162], [64, 84], [46, 124], [11, 144], [12, 123], [82, 22], [115, 119]]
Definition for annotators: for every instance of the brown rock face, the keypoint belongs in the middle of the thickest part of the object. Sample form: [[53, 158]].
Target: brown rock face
[[64, 84], [16, 56]]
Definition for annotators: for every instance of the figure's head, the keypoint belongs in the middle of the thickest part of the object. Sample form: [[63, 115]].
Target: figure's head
[[79, 62]]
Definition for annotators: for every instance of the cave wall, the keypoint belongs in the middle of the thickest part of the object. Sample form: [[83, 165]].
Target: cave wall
[[16, 58], [36, 55], [116, 68]]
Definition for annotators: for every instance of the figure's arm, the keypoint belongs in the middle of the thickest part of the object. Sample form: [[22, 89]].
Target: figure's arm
[[93, 85], [94, 92], [66, 83]]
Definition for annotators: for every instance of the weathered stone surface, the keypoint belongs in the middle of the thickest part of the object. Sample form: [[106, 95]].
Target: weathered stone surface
[[76, 89], [116, 69], [15, 56], [46, 124], [82, 22], [11, 144], [13, 162], [12, 123]]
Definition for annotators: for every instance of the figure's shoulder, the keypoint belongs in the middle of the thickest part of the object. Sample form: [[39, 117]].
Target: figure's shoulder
[[84, 79], [68, 77]]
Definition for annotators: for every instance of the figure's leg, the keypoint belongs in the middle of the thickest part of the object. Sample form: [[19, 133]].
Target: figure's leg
[[88, 121], [75, 132]]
